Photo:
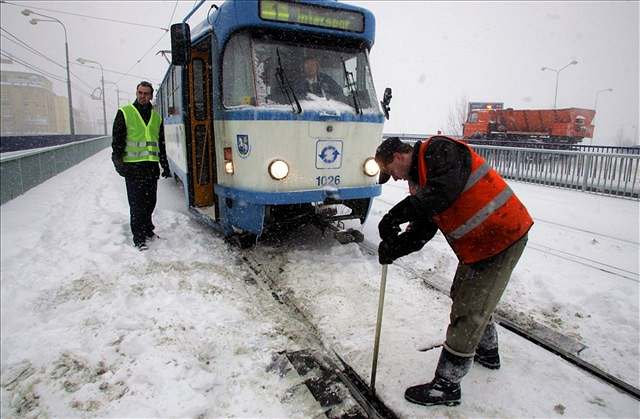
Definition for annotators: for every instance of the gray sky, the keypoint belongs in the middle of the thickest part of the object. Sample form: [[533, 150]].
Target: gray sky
[[430, 53]]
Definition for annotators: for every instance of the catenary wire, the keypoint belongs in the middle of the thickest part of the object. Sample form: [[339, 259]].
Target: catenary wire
[[152, 46], [29, 48], [88, 16], [39, 70], [106, 70]]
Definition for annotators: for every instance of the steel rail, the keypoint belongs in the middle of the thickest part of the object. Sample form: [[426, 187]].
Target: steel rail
[[503, 318]]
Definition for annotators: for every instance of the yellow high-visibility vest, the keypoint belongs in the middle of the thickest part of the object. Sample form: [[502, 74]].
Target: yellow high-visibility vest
[[142, 139]]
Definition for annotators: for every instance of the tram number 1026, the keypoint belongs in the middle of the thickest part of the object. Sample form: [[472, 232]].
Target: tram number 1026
[[328, 180]]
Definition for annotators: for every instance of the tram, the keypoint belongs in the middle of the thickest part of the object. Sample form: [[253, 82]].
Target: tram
[[253, 147]]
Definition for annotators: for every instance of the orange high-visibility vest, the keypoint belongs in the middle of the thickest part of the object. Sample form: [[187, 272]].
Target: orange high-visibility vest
[[486, 218]]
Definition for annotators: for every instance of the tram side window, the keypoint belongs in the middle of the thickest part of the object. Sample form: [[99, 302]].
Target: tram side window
[[158, 102], [169, 93], [165, 94], [237, 72], [174, 91], [199, 90]]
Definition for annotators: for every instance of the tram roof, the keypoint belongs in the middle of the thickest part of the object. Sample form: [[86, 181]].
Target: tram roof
[[234, 15]]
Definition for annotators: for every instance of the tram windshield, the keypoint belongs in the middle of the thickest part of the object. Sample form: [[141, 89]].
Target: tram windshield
[[260, 72]]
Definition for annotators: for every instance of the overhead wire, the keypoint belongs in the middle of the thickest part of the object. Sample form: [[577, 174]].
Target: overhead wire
[[152, 46], [29, 48], [128, 72], [88, 16], [40, 71], [31, 66], [107, 70]]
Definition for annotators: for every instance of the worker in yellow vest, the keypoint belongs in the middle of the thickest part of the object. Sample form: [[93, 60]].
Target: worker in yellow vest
[[138, 147]]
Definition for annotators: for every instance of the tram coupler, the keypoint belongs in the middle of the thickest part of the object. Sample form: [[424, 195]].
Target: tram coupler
[[348, 236], [341, 234], [243, 240]]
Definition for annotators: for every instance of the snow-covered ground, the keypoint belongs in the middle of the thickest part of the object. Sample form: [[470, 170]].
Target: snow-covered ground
[[92, 327]]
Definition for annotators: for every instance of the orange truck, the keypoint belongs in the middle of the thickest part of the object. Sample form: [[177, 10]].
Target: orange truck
[[488, 121]]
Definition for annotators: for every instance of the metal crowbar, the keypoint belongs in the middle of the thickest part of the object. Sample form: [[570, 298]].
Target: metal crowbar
[[376, 344]]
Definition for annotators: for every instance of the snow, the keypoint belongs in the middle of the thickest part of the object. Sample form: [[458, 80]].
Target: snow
[[93, 327]]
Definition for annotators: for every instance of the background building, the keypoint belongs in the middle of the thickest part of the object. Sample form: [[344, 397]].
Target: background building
[[29, 106]]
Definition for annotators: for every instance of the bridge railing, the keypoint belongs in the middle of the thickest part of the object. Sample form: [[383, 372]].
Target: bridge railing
[[412, 138], [605, 173], [22, 170], [598, 169]]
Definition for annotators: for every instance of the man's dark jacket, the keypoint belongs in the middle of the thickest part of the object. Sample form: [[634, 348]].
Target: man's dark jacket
[[329, 86], [143, 169], [448, 168]]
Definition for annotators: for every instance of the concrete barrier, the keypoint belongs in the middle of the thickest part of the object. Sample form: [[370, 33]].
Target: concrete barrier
[[22, 170]]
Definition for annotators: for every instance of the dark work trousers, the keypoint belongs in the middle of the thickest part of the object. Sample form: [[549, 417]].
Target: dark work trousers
[[141, 193], [475, 292]]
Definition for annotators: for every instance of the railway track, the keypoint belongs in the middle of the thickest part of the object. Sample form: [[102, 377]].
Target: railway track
[[323, 369], [554, 342], [339, 390]]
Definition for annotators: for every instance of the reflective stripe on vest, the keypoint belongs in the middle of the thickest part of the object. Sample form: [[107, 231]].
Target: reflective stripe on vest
[[486, 218], [142, 139]]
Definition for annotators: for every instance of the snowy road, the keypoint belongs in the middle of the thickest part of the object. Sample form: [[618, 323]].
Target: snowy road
[[92, 327]]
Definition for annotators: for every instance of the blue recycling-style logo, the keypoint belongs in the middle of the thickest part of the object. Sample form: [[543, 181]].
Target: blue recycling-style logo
[[329, 154], [244, 148]]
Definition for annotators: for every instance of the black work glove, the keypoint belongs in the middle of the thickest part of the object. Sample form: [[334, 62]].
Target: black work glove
[[417, 234], [405, 243], [385, 253], [166, 172], [120, 166], [403, 211], [388, 228]]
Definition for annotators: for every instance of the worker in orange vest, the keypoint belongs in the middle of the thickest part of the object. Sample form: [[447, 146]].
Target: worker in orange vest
[[455, 191]]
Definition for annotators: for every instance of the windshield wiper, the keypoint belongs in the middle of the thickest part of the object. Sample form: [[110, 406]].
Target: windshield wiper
[[351, 85], [285, 86]]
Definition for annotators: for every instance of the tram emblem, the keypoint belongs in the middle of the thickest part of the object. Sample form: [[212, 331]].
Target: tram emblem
[[244, 148], [329, 154]]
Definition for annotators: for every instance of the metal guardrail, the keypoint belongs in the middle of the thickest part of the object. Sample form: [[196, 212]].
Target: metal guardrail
[[412, 138], [561, 146], [606, 173], [24, 142], [599, 169], [22, 170]]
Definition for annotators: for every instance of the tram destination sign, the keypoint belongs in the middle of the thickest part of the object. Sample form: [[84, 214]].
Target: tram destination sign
[[311, 15]]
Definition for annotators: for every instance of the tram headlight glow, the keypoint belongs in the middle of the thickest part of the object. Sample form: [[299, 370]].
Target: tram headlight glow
[[228, 167], [278, 169], [370, 167]]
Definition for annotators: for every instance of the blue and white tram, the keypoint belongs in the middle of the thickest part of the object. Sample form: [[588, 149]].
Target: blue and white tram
[[250, 146]]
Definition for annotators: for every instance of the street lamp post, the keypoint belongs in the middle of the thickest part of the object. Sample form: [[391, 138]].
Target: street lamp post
[[117, 91], [555, 98], [595, 103], [104, 107], [28, 12]]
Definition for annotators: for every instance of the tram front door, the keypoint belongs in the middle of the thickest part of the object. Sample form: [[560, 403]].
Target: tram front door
[[202, 150]]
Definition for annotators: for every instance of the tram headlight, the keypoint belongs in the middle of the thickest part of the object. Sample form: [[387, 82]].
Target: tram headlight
[[278, 169], [370, 167], [228, 161]]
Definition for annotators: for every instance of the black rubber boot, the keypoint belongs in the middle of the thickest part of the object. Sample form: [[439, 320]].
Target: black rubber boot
[[444, 389], [487, 351]]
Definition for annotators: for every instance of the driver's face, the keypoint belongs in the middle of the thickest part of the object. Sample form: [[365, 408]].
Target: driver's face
[[311, 68]]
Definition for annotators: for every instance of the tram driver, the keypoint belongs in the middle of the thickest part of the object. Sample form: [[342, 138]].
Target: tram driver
[[315, 82]]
